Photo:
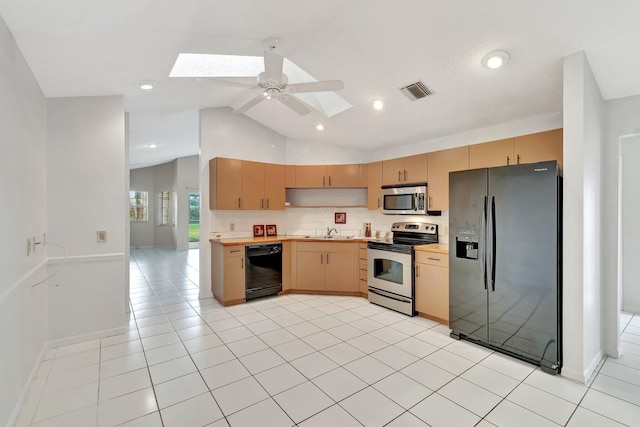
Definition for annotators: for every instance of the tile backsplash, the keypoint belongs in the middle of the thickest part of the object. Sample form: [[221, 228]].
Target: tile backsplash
[[314, 221]]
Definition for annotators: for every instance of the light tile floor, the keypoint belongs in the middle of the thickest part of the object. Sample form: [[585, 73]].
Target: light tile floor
[[309, 361]]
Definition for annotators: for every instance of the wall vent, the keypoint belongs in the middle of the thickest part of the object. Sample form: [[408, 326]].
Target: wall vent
[[415, 91]]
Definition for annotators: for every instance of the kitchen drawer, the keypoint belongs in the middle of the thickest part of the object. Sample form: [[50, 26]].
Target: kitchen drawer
[[432, 258], [235, 250]]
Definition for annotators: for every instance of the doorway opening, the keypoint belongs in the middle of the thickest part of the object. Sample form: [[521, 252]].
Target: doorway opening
[[194, 220]]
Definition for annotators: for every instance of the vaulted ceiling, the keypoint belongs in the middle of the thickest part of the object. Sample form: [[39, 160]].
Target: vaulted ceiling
[[90, 47]]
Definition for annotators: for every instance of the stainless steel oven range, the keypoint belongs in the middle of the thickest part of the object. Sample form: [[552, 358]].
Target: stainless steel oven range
[[390, 265]]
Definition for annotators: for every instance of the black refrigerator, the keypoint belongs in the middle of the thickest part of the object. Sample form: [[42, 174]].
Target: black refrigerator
[[505, 263]]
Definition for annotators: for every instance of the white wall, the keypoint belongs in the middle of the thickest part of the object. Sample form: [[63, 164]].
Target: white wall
[[86, 192], [622, 119], [23, 308], [582, 222], [630, 212]]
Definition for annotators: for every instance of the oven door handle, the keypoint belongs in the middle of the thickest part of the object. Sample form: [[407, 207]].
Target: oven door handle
[[387, 295]]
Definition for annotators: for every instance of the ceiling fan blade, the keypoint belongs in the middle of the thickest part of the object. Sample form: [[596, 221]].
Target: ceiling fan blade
[[324, 86], [250, 103], [293, 103], [273, 67], [244, 82]]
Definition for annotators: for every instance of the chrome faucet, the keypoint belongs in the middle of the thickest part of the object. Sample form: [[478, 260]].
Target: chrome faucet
[[330, 230]]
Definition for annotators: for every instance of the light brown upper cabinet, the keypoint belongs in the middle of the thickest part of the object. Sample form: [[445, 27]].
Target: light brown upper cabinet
[[330, 176], [491, 154], [539, 147], [290, 176], [440, 164], [532, 148], [225, 183], [374, 182], [262, 186], [405, 170], [237, 184]]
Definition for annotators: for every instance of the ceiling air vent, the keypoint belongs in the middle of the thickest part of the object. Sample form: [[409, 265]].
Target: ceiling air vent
[[415, 91]]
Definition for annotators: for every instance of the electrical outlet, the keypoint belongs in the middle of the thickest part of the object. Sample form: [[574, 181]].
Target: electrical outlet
[[232, 227], [102, 236], [28, 247]]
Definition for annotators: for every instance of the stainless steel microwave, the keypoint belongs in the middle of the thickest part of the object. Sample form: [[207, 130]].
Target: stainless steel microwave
[[409, 199]]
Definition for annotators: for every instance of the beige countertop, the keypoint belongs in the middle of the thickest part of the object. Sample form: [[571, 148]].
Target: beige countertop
[[434, 247], [230, 241]]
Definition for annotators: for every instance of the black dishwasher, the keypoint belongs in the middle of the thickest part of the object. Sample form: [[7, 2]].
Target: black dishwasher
[[263, 273]]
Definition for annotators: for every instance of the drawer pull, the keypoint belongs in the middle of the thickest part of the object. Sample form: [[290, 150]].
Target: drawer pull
[[433, 259], [235, 250]]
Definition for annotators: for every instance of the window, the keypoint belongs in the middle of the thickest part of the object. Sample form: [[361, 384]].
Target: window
[[138, 205], [165, 215]]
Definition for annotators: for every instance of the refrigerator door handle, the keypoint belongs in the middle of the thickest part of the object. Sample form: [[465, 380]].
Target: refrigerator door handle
[[492, 242], [482, 253]]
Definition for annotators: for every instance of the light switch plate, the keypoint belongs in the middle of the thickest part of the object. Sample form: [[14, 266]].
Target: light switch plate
[[102, 236]]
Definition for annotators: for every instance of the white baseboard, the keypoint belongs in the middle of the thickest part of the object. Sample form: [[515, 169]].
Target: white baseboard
[[631, 309], [27, 387], [45, 348], [86, 337], [205, 295]]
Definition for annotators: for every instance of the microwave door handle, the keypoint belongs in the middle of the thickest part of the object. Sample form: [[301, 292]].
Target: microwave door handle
[[415, 202]]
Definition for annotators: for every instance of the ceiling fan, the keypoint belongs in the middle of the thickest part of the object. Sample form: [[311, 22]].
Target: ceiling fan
[[274, 84]]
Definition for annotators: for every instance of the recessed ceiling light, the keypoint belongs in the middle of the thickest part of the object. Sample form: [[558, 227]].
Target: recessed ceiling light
[[152, 145], [378, 104], [495, 59], [320, 126], [146, 84]]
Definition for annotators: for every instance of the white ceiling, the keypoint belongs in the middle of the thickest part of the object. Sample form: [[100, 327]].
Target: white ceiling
[[92, 47]]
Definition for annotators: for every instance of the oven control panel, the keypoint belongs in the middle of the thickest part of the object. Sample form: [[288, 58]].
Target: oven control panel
[[415, 227]]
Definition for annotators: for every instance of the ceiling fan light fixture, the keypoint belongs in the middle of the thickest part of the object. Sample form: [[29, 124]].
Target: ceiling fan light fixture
[[378, 104], [495, 59], [146, 84]]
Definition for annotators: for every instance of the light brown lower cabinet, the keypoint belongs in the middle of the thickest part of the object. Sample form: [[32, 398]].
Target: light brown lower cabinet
[[228, 282], [432, 285], [364, 286], [327, 267]]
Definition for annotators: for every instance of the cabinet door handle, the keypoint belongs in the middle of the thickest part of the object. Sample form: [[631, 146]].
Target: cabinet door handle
[[261, 203], [508, 160], [518, 158], [238, 202], [321, 257], [267, 203], [405, 175], [323, 181], [417, 270], [242, 263], [399, 178], [329, 180], [327, 259]]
